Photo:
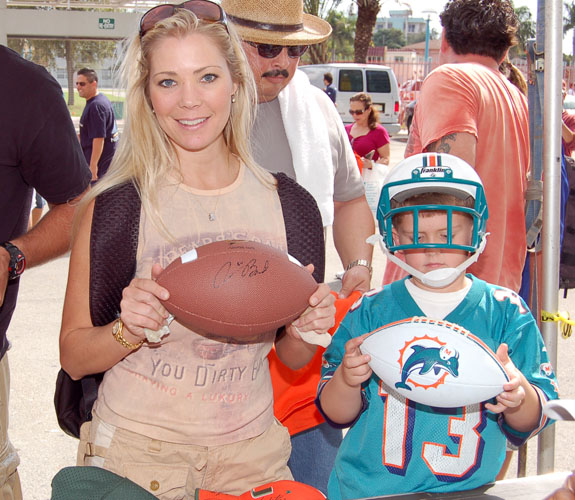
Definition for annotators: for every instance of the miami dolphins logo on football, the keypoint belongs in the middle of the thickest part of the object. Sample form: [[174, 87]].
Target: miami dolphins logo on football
[[422, 355]]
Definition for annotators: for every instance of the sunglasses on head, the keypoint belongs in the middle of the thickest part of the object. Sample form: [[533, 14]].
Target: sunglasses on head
[[357, 111], [270, 51], [203, 9]]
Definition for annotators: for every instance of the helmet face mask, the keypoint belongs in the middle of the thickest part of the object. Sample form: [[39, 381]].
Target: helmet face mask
[[419, 211]]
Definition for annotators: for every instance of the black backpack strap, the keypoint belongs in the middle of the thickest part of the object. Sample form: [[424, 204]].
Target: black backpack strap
[[303, 224], [113, 247]]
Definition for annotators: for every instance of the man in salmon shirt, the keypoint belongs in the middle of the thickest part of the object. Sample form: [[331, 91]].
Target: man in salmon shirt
[[469, 109]]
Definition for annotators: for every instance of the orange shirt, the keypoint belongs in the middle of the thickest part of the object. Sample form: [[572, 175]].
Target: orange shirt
[[471, 98], [295, 390]]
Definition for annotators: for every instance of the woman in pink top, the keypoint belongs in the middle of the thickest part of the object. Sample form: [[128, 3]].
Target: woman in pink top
[[366, 134]]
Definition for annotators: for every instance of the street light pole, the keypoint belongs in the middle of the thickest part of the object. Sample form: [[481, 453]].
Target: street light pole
[[427, 39], [426, 62], [408, 13]]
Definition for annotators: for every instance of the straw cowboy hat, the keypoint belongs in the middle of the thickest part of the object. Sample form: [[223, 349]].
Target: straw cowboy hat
[[278, 22]]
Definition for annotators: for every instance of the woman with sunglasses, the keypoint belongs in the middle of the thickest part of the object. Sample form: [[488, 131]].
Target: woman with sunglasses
[[368, 137], [188, 410]]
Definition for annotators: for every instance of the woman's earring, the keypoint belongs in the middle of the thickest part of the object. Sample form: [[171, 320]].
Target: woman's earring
[[233, 98]]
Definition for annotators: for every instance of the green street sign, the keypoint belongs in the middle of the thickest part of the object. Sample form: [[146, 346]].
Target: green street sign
[[106, 23]]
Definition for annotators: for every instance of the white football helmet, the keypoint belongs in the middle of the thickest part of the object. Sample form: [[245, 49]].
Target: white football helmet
[[433, 173]]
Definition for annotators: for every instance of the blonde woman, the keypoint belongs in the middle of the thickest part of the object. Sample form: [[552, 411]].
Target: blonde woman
[[193, 410]]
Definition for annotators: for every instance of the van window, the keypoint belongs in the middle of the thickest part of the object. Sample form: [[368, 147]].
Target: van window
[[315, 75], [350, 80], [378, 82]]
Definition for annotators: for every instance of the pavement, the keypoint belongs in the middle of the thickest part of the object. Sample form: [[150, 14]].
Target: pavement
[[44, 449]]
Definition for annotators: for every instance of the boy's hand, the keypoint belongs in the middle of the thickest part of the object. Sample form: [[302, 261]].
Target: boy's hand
[[513, 394], [354, 366]]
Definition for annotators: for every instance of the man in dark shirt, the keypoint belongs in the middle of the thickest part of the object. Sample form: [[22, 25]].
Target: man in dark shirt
[[38, 150], [329, 88], [98, 129]]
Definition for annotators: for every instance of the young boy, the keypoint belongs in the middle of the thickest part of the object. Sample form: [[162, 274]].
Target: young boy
[[433, 211]]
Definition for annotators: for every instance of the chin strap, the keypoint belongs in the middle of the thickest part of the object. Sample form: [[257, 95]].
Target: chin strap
[[437, 278]]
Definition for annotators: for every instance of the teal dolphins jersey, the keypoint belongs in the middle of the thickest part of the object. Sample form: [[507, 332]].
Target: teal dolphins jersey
[[398, 446]]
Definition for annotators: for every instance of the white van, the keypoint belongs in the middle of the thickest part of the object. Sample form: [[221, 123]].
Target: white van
[[349, 78]]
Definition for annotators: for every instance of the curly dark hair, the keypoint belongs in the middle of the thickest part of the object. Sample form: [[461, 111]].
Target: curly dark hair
[[482, 27]]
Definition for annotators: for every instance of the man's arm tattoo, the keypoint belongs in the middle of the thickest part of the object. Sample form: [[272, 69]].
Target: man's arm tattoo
[[442, 145]]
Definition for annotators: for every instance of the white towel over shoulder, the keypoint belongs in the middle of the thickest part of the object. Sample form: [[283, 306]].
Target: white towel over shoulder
[[308, 138]]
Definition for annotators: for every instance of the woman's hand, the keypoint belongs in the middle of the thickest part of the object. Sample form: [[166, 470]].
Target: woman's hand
[[367, 163], [141, 307], [319, 317], [312, 325]]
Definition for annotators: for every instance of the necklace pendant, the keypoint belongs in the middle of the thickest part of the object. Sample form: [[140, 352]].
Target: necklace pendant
[[211, 216]]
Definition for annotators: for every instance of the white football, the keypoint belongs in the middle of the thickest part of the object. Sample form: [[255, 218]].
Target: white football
[[434, 362]]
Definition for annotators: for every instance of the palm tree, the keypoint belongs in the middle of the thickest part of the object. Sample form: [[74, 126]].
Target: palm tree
[[321, 8], [340, 43], [526, 27], [569, 22], [367, 11]]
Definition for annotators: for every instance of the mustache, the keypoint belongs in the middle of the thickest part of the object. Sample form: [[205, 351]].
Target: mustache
[[276, 72]]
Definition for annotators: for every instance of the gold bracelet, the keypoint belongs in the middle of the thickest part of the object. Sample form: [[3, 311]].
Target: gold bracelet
[[117, 329]]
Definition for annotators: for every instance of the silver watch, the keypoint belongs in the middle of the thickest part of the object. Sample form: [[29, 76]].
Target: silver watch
[[360, 262]]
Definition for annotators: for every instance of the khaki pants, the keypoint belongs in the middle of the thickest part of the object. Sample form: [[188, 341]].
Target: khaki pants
[[10, 488], [173, 471]]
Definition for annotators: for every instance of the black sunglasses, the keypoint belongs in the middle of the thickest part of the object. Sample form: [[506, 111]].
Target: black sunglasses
[[203, 9], [81, 84], [357, 111], [270, 51]]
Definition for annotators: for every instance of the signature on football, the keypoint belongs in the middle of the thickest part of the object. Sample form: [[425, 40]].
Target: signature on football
[[240, 270]]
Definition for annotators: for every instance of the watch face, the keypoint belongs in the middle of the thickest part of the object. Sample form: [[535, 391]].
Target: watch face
[[20, 264]]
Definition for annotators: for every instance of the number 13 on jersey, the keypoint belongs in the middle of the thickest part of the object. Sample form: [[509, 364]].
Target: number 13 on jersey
[[454, 458]]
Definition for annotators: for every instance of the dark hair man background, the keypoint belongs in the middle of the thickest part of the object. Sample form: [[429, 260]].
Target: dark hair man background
[[98, 129], [329, 88]]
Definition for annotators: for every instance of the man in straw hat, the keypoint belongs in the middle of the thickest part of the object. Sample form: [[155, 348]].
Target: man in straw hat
[[298, 131]]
